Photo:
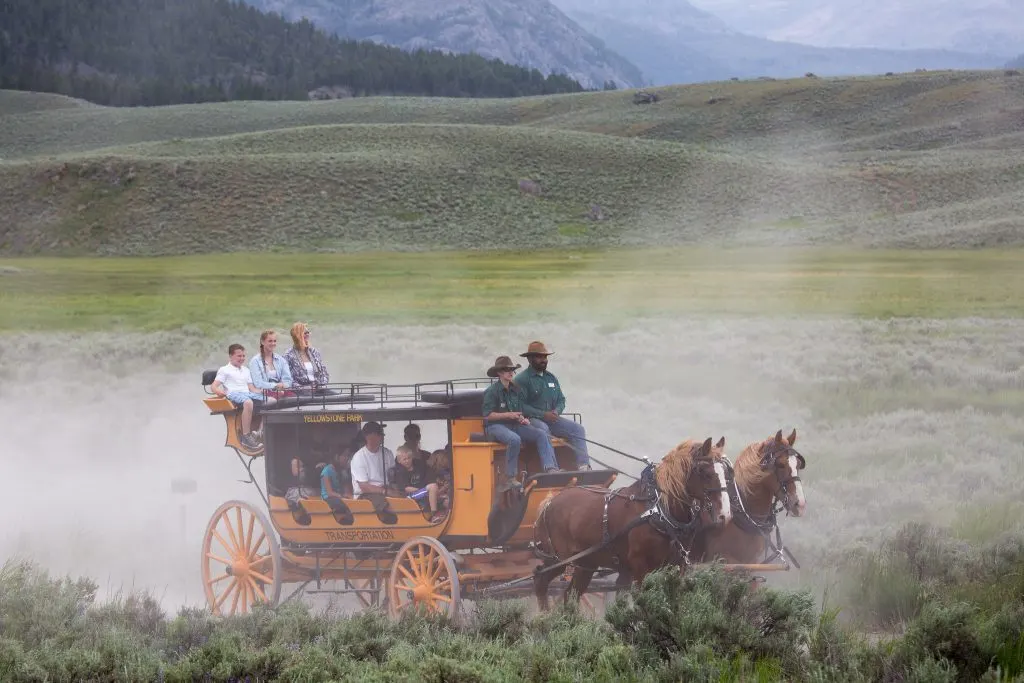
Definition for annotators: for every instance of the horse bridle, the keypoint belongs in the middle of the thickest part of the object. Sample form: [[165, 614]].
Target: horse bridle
[[768, 461]]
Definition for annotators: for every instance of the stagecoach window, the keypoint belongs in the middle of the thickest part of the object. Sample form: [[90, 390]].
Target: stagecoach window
[[313, 444]]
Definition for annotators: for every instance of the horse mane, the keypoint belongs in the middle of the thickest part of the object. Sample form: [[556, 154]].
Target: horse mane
[[747, 469], [673, 471]]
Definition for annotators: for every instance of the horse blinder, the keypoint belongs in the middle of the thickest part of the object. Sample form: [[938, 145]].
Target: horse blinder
[[769, 458]]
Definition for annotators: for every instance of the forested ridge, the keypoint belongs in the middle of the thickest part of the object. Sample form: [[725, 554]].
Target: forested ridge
[[156, 52]]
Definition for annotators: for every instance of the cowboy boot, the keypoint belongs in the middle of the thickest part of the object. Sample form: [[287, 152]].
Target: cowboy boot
[[507, 483]]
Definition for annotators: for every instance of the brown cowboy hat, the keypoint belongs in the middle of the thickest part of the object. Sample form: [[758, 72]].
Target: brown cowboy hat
[[502, 363], [536, 348]]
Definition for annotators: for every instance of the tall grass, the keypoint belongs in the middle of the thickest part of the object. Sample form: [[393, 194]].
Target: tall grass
[[705, 626], [204, 293]]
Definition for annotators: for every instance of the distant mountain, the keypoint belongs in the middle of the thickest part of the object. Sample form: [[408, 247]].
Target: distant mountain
[[978, 26], [674, 42], [153, 52], [531, 33]]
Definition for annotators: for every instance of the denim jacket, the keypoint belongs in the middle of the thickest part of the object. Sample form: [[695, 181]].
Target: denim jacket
[[260, 378], [320, 374]]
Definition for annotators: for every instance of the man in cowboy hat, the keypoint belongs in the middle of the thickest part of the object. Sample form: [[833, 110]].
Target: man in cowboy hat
[[545, 402], [504, 421]]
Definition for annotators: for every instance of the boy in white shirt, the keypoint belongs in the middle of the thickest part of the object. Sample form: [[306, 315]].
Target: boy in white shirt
[[234, 382], [370, 467]]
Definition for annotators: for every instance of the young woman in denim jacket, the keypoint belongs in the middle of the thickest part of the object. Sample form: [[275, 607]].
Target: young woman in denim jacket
[[270, 370]]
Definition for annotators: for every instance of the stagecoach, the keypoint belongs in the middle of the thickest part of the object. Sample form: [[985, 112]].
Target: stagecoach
[[266, 555], [483, 547]]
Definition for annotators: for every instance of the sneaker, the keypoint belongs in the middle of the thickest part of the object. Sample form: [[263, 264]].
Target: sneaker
[[343, 517], [249, 442], [553, 470], [437, 517], [300, 515], [584, 468]]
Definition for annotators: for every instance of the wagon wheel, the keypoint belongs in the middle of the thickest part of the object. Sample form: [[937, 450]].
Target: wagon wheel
[[241, 560], [423, 576]]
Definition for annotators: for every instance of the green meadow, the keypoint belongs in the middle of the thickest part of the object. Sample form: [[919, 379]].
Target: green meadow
[[276, 289]]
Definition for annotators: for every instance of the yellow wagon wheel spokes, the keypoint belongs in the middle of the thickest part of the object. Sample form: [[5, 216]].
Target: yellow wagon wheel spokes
[[424, 579], [241, 560]]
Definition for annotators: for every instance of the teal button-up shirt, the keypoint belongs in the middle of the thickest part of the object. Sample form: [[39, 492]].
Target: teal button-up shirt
[[498, 399], [543, 392]]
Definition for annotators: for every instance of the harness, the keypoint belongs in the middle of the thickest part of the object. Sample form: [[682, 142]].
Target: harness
[[746, 522], [658, 515]]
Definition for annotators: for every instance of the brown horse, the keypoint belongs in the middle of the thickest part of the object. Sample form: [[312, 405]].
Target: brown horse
[[765, 472], [636, 529]]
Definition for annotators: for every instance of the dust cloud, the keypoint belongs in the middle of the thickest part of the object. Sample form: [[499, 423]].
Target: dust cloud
[[899, 420]]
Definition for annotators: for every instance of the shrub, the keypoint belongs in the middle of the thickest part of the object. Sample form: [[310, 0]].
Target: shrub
[[1003, 635], [501, 620], [943, 634], [838, 655], [707, 625], [674, 618], [36, 609], [892, 583]]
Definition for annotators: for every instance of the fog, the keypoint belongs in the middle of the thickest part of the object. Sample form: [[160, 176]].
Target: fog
[[898, 420]]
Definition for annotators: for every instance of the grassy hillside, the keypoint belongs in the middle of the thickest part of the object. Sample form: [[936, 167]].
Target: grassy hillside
[[915, 160], [21, 102]]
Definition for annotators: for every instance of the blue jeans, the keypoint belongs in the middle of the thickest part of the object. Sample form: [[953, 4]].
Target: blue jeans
[[571, 431], [513, 435]]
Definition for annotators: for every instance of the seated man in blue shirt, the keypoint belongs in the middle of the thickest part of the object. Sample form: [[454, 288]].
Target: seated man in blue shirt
[[504, 421], [545, 403]]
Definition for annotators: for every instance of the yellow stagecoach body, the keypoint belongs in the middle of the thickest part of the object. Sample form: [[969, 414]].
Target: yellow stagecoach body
[[323, 549]]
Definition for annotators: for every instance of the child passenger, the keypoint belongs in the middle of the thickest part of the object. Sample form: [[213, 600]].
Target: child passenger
[[303, 485], [414, 479], [335, 482], [234, 382], [440, 463]]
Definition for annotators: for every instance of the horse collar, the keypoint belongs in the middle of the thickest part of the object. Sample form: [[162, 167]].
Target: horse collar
[[745, 521]]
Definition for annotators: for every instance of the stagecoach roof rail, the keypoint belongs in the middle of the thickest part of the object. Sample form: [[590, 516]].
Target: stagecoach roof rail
[[364, 395]]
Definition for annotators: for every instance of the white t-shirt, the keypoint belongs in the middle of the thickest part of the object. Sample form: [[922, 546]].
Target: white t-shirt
[[234, 379], [370, 467]]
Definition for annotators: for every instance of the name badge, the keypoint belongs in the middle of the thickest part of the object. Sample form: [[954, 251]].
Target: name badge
[[551, 384]]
